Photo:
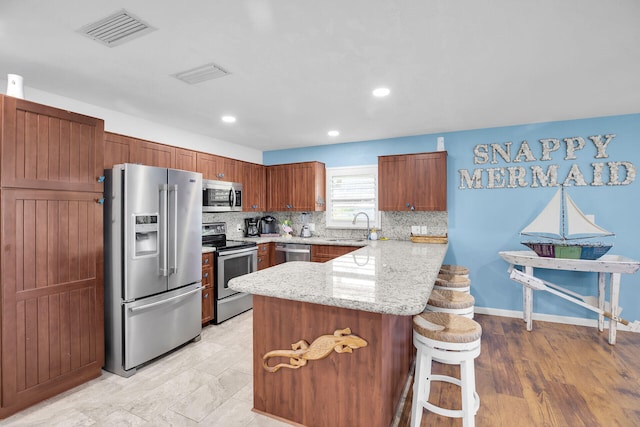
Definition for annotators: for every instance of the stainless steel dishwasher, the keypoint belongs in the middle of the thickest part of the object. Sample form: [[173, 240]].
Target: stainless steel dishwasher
[[286, 252]]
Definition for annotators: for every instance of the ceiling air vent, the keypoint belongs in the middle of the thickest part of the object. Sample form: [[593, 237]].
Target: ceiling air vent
[[201, 74], [116, 29]]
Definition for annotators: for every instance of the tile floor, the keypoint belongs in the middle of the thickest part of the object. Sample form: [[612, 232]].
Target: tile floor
[[205, 383]]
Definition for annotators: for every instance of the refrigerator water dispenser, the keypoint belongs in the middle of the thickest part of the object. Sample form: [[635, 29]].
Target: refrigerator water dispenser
[[146, 235]]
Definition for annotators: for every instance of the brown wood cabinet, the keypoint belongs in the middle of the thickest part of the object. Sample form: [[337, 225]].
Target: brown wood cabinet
[[413, 182], [52, 278], [254, 187], [48, 148], [296, 187], [207, 292], [265, 255], [185, 160], [152, 154], [324, 253], [127, 149], [117, 149], [218, 168]]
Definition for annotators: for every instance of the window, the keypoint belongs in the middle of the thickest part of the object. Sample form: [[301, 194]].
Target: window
[[351, 190]]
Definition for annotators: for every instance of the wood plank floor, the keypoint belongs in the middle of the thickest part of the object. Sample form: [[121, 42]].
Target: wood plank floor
[[555, 375]]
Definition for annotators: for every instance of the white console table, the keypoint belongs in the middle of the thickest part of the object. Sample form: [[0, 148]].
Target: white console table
[[614, 265]]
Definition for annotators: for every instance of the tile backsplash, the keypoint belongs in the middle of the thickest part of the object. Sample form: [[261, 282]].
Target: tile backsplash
[[395, 225]]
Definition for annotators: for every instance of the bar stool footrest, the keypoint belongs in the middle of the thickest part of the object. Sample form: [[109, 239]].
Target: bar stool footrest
[[452, 413]]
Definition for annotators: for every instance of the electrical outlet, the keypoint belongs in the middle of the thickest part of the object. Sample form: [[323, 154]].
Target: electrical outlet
[[423, 230], [415, 230], [312, 227], [238, 227]]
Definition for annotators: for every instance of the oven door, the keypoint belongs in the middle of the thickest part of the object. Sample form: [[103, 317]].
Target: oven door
[[233, 263]]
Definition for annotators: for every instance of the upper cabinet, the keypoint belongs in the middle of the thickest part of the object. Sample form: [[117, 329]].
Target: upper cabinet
[[185, 160], [413, 182], [49, 148], [253, 187], [296, 187], [153, 154], [218, 168], [120, 149]]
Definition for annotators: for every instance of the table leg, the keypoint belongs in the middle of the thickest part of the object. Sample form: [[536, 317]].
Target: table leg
[[615, 295], [527, 301], [602, 282]]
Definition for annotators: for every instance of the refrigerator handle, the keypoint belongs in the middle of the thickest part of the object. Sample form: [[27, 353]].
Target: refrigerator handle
[[173, 266], [163, 229]]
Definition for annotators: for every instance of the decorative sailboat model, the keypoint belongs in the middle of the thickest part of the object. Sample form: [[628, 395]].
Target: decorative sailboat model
[[561, 230]]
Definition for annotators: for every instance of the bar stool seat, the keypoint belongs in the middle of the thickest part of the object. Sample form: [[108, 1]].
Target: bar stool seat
[[450, 339], [457, 270], [448, 301], [453, 282]]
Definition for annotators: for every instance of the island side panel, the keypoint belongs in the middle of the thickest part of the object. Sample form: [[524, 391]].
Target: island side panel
[[361, 388]]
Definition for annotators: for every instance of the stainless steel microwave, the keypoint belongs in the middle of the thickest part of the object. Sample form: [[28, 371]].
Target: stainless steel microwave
[[221, 196]]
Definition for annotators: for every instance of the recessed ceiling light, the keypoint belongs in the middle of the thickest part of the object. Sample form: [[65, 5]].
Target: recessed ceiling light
[[228, 119], [381, 91], [333, 133]]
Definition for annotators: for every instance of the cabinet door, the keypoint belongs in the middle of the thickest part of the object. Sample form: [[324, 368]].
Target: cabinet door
[[265, 255], [152, 154], [185, 160], [324, 253], [430, 178], [279, 188], [44, 147], [218, 168], [207, 283], [52, 293], [117, 150], [395, 183], [254, 186]]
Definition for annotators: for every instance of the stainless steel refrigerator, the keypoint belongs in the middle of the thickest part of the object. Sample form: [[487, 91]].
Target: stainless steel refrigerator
[[153, 263]]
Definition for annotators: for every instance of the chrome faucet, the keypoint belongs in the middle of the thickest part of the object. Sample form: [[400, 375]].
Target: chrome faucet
[[366, 216]]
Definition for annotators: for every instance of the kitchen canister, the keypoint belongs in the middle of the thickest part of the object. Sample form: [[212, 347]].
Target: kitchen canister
[[15, 86]]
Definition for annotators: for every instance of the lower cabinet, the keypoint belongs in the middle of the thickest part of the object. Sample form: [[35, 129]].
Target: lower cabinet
[[324, 253], [207, 292], [265, 255]]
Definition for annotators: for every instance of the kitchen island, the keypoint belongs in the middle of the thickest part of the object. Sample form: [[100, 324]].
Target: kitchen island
[[362, 304]]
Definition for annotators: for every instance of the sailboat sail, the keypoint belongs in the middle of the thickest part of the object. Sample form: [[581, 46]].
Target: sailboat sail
[[578, 223], [550, 220]]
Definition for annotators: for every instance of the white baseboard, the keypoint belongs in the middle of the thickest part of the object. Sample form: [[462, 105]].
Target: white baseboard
[[549, 318]]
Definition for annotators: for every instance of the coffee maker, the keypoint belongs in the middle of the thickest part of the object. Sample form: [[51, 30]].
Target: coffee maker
[[251, 227], [269, 226]]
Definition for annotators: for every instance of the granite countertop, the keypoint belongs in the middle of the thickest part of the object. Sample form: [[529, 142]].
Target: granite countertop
[[303, 240], [390, 277]]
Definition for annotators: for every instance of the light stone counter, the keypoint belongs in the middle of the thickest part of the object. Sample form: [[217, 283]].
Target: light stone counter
[[389, 277]]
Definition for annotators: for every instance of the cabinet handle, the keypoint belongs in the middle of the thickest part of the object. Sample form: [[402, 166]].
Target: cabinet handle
[[100, 201], [205, 296], [206, 260], [259, 259], [221, 175], [411, 207], [205, 275], [101, 178]]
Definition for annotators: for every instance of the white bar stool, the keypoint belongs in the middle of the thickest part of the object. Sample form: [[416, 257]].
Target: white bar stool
[[457, 270], [453, 340], [452, 302], [453, 282]]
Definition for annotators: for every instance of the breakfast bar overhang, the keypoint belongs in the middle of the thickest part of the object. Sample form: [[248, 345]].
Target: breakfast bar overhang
[[332, 342]]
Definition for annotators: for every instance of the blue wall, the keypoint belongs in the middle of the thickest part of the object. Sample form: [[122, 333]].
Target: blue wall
[[484, 221]]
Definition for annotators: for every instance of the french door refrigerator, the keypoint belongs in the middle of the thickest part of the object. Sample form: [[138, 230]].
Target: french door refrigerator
[[153, 263]]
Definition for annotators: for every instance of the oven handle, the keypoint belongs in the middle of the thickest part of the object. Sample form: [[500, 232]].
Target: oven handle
[[237, 251], [164, 301]]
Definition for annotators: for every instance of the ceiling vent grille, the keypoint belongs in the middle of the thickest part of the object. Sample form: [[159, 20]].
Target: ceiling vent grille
[[201, 74], [116, 29]]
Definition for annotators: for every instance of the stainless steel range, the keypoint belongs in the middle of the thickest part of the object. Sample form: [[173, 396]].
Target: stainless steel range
[[232, 259]]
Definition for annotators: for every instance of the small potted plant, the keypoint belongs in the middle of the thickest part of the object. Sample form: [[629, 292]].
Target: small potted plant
[[286, 228]]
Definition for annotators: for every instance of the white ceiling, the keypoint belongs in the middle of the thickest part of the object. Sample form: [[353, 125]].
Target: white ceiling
[[300, 68]]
